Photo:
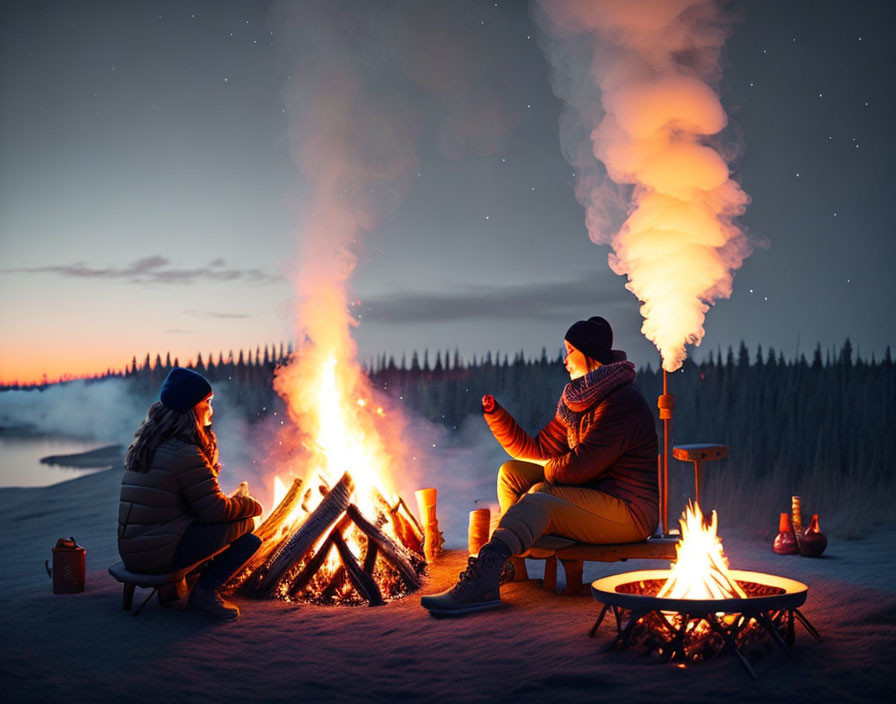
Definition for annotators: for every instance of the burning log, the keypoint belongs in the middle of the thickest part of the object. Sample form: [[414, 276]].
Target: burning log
[[290, 566], [271, 530], [362, 581], [361, 578], [370, 558], [315, 563], [274, 523], [400, 558], [433, 538], [404, 523], [290, 552], [335, 585]]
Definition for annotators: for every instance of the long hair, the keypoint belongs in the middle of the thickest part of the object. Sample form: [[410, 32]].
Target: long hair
[[160, 424]]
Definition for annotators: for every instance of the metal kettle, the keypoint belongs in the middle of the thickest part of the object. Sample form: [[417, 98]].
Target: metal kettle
[[69, 567]]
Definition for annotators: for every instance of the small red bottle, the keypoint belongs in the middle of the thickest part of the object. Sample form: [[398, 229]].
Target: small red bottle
[[785, 541], [813, 542]]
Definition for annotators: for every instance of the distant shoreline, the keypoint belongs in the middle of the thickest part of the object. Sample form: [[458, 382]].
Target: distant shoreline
[[106, 456]]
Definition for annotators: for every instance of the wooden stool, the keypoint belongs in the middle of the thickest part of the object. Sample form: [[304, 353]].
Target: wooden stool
[[698, 454], [132, 580]]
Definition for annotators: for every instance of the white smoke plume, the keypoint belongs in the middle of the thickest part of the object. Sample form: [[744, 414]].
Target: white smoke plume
[[638, 77]]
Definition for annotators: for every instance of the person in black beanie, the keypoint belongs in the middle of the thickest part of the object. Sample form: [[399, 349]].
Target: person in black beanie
[[589, 475], [172, 512]]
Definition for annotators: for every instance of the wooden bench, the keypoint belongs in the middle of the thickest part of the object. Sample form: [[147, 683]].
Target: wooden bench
[[572, 555]]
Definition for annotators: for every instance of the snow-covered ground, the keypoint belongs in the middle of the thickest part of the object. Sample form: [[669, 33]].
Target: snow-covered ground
[[85, 647]]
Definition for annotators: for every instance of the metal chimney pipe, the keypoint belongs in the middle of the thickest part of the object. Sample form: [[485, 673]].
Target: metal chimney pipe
[[666, 404]]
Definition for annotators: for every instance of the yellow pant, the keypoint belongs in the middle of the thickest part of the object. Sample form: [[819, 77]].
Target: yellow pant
[[530, 508]]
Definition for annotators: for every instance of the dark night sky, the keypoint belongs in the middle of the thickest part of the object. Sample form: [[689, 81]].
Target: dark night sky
[[148, 198]]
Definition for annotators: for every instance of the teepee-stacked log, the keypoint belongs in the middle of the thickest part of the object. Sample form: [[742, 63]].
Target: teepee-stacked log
[[314, 560], [327, 511]]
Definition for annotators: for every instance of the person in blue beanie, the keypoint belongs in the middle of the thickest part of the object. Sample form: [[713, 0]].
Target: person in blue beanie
[[172, 512]]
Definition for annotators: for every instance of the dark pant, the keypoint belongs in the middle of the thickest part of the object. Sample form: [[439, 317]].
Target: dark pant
[[200, 541]]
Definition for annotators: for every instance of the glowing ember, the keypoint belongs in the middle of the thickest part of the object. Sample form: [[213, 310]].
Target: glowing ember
[[701, 568]]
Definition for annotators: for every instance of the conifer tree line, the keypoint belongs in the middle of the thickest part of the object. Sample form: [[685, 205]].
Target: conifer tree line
[[822, 429]]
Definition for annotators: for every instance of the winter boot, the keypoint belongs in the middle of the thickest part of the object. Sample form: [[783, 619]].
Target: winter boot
[[167, 594], [209, 603], [171, 593], [477, 589]]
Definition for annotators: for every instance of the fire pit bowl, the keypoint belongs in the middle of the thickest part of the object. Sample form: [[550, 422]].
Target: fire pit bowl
[[636, 591], [696, 629]]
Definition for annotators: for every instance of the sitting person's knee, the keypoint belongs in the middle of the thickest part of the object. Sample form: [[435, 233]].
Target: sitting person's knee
[[513, 471], [249, 541], [506, 470], [540, 488]]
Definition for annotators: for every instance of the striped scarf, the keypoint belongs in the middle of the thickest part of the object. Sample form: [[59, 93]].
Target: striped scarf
[[582, 394]]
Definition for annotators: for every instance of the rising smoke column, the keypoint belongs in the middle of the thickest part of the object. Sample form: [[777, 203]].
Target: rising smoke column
[[370, 80], [636, 76], [353, 140]]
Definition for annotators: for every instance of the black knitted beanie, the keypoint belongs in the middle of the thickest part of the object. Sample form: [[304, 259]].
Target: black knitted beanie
[[183, 389], [593, 338]]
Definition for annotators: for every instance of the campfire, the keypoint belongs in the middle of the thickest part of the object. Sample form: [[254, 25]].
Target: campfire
[[333, 554], [700, 570], [699, 607], [336, 535]]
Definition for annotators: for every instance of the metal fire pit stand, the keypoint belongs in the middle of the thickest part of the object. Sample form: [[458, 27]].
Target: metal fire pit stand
[[774, 613]]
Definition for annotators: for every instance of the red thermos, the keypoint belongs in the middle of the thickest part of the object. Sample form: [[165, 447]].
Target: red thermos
[[69, 566]]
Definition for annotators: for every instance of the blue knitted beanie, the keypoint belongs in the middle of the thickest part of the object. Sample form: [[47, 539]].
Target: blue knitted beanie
[[183, 389]]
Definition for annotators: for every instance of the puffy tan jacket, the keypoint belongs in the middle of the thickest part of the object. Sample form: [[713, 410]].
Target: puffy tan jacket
[[616, 451], [157, 506]]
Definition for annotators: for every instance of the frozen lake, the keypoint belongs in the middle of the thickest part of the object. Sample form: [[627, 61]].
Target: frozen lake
[[20, 460]]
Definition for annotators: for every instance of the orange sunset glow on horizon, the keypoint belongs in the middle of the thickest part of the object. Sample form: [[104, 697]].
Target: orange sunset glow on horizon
[[50, 365], [69, 328]]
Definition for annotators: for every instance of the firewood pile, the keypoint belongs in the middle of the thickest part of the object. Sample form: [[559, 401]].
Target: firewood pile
[[332, 554]]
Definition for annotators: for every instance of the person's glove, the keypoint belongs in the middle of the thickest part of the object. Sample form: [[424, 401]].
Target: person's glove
[[241, 490]]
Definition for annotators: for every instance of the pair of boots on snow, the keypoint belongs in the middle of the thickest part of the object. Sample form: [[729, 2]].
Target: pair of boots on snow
[[478, 585], [205, 598]]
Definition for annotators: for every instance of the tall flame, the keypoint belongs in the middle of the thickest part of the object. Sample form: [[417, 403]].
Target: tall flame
[[637, 75], [353, 141], [701, 568], [340, 434]]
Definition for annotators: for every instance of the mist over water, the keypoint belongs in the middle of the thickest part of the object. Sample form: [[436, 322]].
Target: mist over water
[[81, 416], [20, 460]]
